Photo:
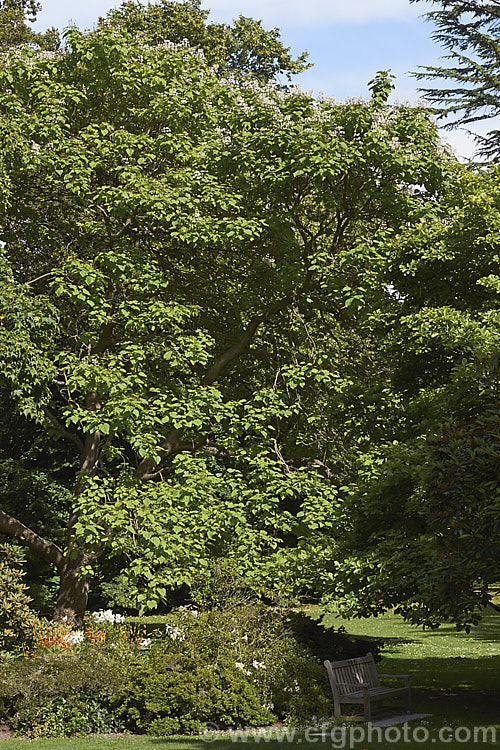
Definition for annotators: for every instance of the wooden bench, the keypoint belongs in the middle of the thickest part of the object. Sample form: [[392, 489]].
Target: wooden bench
[[357, 681]]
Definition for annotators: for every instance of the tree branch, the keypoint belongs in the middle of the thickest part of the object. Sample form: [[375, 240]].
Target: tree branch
[[125, 228], [38, 278], [212, 450], [171, 443], [90, 449], [244, 342], [20, 532], [62, 430]]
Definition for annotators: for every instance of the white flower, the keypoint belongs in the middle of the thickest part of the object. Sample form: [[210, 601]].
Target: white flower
[[188, 608], [73, 638], [145, 642], [176, 634], [107, 615], [244, 638], [295, 688], [258, 664], [240, 665]]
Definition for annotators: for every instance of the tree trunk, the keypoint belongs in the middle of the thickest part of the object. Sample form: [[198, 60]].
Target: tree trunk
[[73, 593]]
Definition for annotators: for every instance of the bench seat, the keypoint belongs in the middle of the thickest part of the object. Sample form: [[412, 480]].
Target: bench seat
[[357, 681]]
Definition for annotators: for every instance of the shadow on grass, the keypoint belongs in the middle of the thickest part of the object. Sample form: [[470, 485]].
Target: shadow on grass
[[448, 673], [466, 688], [219, 743], [487, 630]]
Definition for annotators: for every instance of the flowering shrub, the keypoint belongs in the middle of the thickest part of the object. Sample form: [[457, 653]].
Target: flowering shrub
[[163, 695], [69, 718], [241, 666], [73, 638], [176, 634], [58, 692], [58, 635], [94, 636], [51, 640], [107, 616]]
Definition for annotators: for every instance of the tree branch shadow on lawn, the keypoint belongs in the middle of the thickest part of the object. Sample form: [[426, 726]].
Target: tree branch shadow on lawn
[[466, 687], [487, 630]]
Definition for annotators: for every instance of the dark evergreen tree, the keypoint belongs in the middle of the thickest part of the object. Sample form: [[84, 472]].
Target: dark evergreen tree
[[468, 88]]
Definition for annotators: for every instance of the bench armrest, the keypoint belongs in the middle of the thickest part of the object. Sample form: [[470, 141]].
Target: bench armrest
[[405, 677], [353, 684]]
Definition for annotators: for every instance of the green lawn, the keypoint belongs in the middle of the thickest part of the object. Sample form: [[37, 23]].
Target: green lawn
[[455, 676], [452, 673]]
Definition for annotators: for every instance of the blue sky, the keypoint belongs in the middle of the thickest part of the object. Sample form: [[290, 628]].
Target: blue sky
[[347, 40]]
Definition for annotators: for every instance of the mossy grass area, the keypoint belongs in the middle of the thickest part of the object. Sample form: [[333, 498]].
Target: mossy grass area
[[455, 677]]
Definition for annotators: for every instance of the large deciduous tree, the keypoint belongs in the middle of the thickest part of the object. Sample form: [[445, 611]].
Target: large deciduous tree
[[189, 266], [244, 48], [15, 29]]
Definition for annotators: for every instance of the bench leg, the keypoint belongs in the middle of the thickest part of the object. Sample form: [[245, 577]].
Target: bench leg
[[336, 708], [408, 701], [367, 708]]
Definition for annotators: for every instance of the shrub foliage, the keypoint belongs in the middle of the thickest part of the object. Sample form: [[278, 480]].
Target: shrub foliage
[[230, 668]]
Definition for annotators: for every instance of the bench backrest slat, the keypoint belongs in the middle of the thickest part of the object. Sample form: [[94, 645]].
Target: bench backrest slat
[[352, 672]]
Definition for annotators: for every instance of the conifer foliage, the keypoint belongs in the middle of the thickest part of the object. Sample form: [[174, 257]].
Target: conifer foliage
[[468, 88]]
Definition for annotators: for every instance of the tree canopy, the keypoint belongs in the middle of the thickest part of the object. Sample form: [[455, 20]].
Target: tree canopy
[[425, 536], [244, 48], [185, 293]]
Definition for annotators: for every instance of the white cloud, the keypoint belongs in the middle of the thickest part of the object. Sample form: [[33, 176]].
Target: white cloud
[[313, 12]]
